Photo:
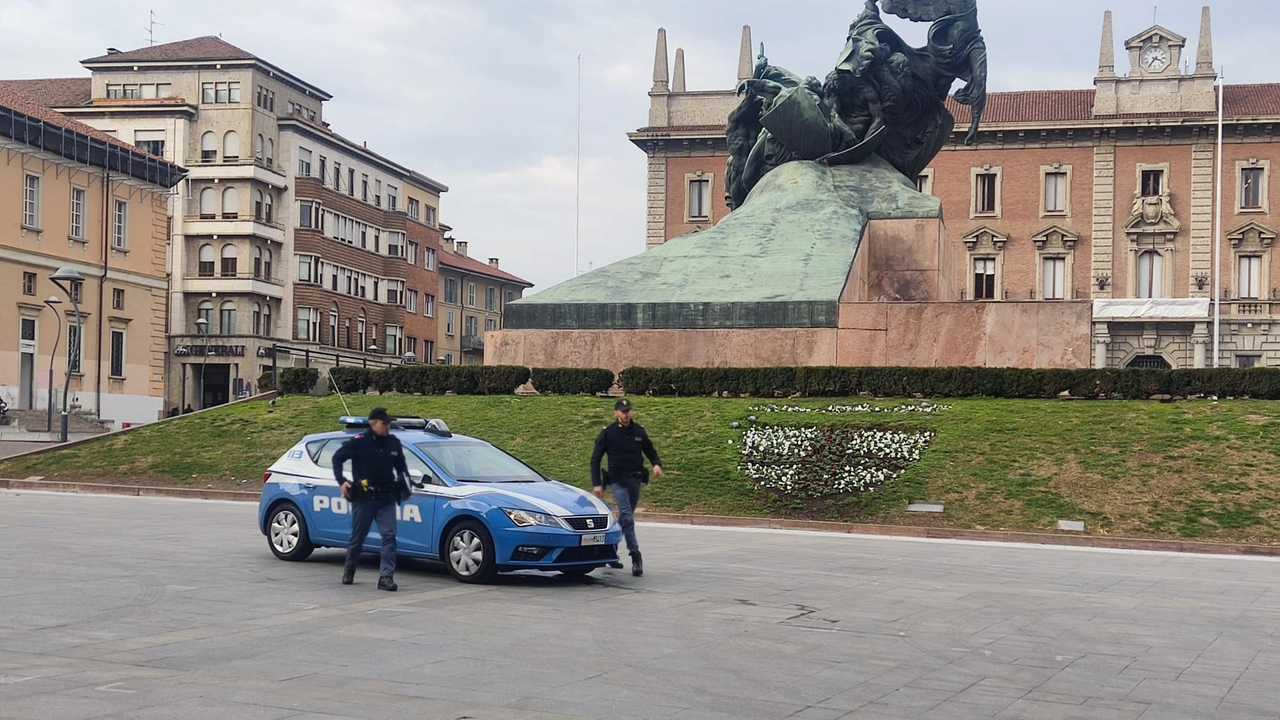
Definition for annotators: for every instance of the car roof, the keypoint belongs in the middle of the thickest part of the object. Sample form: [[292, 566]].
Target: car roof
[[413, 436]]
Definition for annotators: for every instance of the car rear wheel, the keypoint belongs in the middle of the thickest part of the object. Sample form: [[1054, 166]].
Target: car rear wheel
[[468, 553], [287, 533]]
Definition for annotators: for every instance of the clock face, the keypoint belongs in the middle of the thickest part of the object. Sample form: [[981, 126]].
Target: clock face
[[1155, 58]]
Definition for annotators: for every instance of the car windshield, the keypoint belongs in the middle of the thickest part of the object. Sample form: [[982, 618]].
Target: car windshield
[[473, 461]]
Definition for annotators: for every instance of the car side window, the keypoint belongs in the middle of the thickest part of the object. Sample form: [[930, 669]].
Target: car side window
[[325, 457], [415, 463], [313, 449]]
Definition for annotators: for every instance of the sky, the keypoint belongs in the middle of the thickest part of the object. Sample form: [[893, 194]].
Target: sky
[[482, 94]]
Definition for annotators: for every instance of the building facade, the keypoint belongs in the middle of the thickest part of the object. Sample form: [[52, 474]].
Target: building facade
[[76, 197], [1103, 196], [473, 296]]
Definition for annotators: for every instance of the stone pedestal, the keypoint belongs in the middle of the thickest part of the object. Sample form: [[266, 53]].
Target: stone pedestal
[[907, 260]]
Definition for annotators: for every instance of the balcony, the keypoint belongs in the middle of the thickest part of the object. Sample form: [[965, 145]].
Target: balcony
[[1262, 309], [472, 343], [237, 225], [238, 169], [240, 284]]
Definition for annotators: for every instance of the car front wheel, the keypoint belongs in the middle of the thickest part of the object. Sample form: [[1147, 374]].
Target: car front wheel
[[287, 533], [468, 553]]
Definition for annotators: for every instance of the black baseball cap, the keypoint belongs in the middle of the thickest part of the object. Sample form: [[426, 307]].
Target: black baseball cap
[[380, 413], [622, 404]]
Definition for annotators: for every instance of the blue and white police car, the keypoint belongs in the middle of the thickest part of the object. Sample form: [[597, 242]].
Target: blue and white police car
[[475, 508]]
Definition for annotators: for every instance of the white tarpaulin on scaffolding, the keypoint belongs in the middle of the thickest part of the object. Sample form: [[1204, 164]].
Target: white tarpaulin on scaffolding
[[1152, 309]]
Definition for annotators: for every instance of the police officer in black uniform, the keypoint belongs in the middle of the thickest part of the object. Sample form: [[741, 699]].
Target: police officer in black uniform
[[381, 482], [627, 445]]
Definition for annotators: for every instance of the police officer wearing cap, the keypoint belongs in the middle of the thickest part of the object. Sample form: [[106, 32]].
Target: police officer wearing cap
[[627, 445], [381, 481]]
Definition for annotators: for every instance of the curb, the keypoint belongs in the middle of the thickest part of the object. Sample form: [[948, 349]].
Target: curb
[[895, 531]]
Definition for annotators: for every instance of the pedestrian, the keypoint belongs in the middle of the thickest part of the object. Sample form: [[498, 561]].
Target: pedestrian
[[381, 482], [626, 444]]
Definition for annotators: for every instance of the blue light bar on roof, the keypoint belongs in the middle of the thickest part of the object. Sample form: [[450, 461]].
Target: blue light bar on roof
[[353, 421]]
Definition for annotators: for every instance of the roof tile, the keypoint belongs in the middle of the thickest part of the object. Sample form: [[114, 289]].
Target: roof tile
[[27, 106], [201, 48], [53, 92], [475, 267]]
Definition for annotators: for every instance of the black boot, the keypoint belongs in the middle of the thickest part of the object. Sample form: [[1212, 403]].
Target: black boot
[[637, 567], [386, 583], [616, 564], [348, 575]]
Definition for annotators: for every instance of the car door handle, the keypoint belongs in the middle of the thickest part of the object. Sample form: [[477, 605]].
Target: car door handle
[[309, 486]]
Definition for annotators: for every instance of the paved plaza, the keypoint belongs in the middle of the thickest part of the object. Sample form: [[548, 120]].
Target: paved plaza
[[156, 608]]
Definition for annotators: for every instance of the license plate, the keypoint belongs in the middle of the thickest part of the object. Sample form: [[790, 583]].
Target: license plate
[[593, 539]]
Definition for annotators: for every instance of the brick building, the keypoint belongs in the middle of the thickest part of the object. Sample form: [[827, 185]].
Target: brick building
[[1102, 196]]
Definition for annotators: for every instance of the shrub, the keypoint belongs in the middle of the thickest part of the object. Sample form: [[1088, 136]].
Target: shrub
[[380, 380], [572, 381], [266, 382], [298, 381], [349, 380], [503, 379]]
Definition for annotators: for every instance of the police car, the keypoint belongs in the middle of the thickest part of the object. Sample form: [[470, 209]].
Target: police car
[[475, 508]]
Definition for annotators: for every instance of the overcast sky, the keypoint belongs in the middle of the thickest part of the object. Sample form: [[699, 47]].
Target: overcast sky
[[480, 94]]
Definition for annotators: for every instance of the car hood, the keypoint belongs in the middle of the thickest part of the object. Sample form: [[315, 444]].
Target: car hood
[[553, 498]]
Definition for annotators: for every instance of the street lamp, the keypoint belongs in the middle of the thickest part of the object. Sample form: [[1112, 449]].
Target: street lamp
[[202, 327], [53, 302], [409, 358], [66, 278]]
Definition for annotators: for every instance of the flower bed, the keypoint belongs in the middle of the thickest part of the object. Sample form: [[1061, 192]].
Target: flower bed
[[814, 462], [923, 407]]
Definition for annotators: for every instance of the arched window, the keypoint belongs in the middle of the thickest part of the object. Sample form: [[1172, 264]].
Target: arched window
[[267, 208], [1150, 275], [257, 148], [206, 260], [333, 325], [266, 266], [227, 318], [257, 319], [257, 261], [257, 204], [208, 147], [267, 328], [271, 152], [230, 204], [228, 260], [208, 204], [231, 146], [204, 311]]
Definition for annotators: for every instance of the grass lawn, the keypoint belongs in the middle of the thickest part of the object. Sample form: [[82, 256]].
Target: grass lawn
[[1195, 470]]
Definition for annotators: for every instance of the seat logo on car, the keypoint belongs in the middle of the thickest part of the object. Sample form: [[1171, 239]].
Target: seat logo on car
[[591, 523], [340, 506]]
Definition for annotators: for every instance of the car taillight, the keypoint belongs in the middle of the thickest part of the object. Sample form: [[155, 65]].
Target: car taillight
[[265, 477]]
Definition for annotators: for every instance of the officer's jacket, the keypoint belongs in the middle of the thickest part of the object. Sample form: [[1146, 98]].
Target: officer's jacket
[[378, 467], [626, 448]]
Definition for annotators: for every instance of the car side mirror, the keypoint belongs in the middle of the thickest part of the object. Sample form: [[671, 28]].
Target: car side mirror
[[416, 478]]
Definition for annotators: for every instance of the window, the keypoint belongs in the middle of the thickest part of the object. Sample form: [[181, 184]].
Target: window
[[448, 358], [204, 311], [208, 147], [77, 291], [78, 197], [411, 301], [511, 295], [204, 268], [924, 183], [267, 208], [304, 162], [228, 268], [215, 93], [448, 323], [699, 199], [395, 340], [985, 194], [351, 182], [28, 283], [337, 175], [257, 204], [208, 204], [490, 323], [117, 298], [411, 253], [1152, 183], [206, 93], [364, 188], [230, 204], [1250, 280], [984, 279], [308, 324], [268, 326], [394, 291], [429, 259], [323, 173], [1055, 275], [1150, 362], [306, 269], [395, 244], [227, 318], [377, 193], [258, 145], [75, 352], [333, 325], [266, 265], [257, 319], [1055, 193], [1150, 275], [149, 141], [31, 202], [360, 331], [306, 214], [257, 261], [271, 152], [115, 92], [411, 346], [1251, 188], [376, 296], [428, 305], [393, 198], [471, 325], [491, 299], [471, 294], [451, 291], [120, 225], [430, 215], [117, 353], [428, 350], [413, 208], [1248, 361], [231, 146]]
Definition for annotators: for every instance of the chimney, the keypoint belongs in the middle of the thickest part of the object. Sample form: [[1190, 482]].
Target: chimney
[[113, 51], [1107, 57], [660, 77], [1204, 49], [677, 78], [493, 263], [462, 247], [746, 67], [366, 144]]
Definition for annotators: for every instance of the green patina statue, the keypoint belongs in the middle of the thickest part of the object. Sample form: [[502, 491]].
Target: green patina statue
[[883, 97]]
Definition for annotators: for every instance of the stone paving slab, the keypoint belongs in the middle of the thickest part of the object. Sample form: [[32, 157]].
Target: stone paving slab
[[146, 607]]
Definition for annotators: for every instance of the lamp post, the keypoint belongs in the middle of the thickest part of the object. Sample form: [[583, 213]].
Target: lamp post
[[202, 327], [66, 278], [409, 358], [53, 302]]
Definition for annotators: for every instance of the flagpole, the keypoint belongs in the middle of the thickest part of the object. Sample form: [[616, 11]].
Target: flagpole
[[577, 179], [1217, 238]]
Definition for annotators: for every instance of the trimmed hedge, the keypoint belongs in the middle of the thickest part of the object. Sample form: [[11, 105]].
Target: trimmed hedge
[[572, 381], [458, 379], [298, 381], [266, 382], [349, 380], [1131, 383]]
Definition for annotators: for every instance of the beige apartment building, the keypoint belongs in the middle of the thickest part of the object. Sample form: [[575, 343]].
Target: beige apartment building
[[74, 197], [473, 296]]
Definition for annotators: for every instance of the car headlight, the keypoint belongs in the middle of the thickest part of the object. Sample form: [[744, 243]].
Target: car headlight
[[526, 518]]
